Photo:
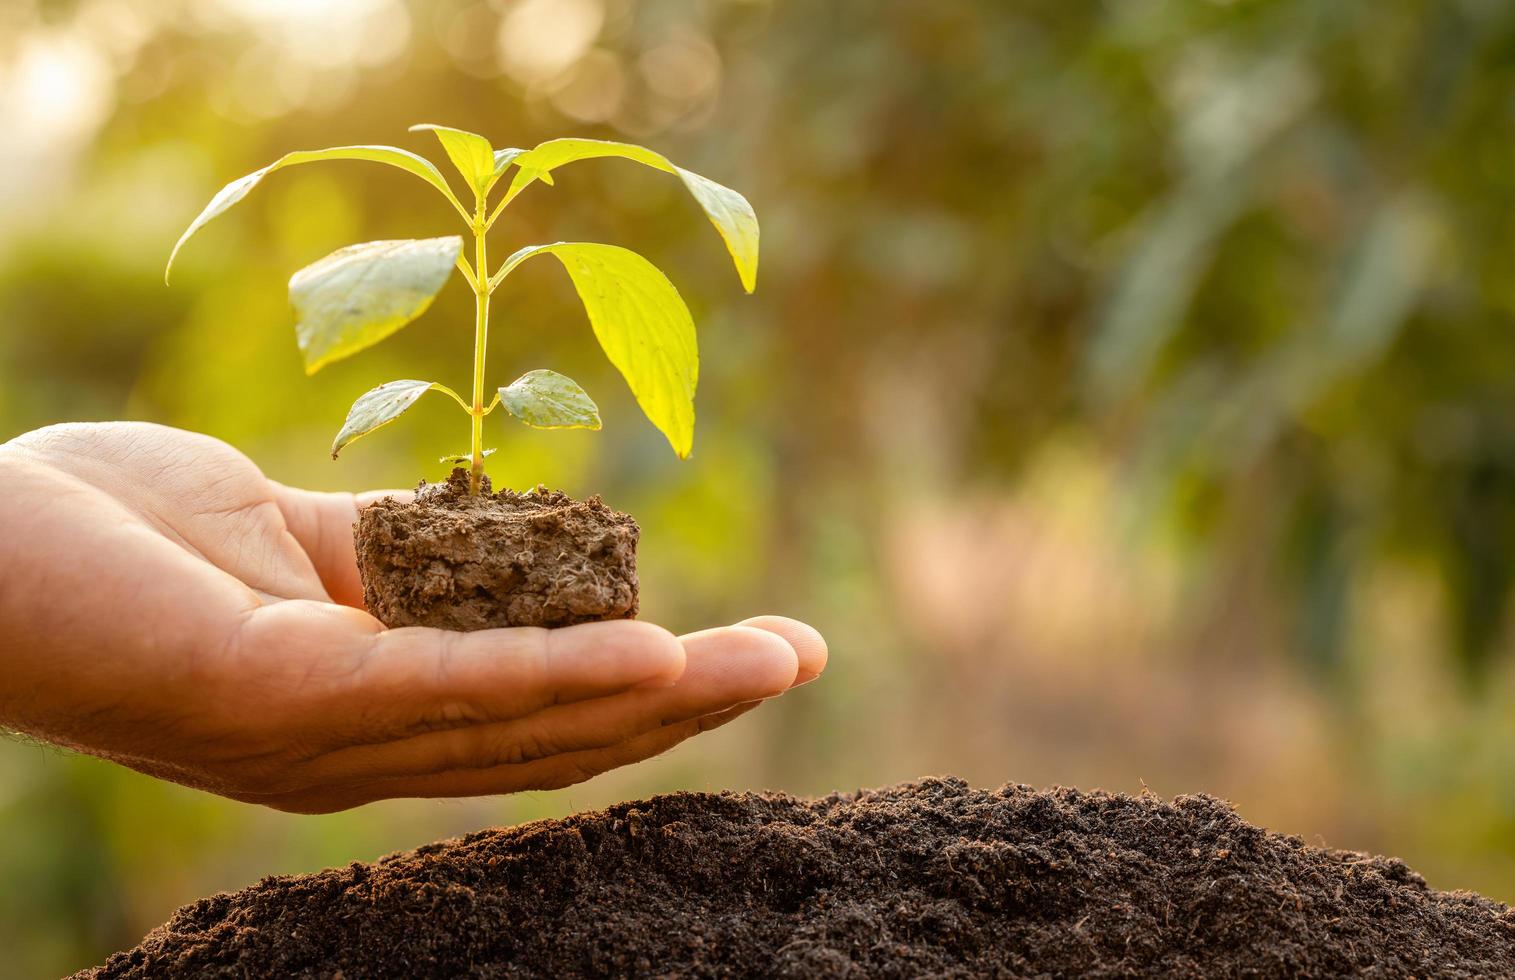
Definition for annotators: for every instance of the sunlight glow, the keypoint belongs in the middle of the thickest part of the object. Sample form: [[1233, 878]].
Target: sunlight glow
[[541, 39], [57, 87], [328, 33]]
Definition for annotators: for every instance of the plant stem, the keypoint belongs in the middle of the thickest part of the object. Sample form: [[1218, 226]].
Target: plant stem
[[480, 342]]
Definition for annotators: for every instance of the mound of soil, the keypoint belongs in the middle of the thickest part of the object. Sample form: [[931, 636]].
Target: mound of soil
[[927, 879], [461, 562]]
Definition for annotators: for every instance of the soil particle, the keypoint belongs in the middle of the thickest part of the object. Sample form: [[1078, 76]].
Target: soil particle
[[461, 562], [926, 879]]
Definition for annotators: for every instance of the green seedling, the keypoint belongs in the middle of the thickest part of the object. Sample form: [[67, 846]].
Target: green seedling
[[358, 295]]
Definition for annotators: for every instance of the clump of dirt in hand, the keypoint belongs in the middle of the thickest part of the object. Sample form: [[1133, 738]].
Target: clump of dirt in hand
[[468, 562], [926, 879]]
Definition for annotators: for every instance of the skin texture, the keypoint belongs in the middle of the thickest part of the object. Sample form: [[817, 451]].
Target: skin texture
[[166, 606]]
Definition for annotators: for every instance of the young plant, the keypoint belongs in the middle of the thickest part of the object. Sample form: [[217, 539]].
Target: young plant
[[358, 295]]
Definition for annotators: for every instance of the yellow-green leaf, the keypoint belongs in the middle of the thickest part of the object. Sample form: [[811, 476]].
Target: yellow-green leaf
[[729, 211], [358, 295], [503, 159], [642, 325], [469, 152], [548, 400], [465, 457], [238, 189], [377, 407]]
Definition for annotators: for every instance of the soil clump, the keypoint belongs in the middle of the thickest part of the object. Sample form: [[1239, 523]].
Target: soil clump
[[457, 561]]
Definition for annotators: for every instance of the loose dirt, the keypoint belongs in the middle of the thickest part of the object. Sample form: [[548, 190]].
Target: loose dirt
[[926, 879], [461, 562]]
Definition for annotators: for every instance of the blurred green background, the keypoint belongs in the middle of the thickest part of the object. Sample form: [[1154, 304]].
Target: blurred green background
[[1129, 393]]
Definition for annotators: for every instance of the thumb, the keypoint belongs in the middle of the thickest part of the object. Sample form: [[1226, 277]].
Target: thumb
[[322, 523]]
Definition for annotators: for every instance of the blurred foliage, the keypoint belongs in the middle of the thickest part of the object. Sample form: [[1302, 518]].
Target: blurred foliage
[[1129, 392]]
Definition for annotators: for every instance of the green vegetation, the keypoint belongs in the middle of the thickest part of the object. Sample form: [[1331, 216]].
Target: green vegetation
[[360, 294]]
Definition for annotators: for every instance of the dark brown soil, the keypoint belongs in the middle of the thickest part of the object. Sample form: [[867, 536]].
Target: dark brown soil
[[926, 879], [462, 562]]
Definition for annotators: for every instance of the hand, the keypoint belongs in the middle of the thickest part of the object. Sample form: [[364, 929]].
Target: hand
[[165, 605]]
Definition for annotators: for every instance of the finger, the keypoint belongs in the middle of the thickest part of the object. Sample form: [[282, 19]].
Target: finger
[[442, 679], [724, 668], [336, 677], [808, 644], [322, 523], [544, 774], [368, 497]]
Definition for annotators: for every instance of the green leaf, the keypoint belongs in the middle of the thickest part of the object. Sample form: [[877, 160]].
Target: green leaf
[[469, 152], [503, 159], [238, 189], [378, 407], [358, 295], [641, 323], [548, 400], [729, 211], [465, 457]]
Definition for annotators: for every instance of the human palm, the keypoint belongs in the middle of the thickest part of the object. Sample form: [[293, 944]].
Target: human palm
[[165, 605]]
